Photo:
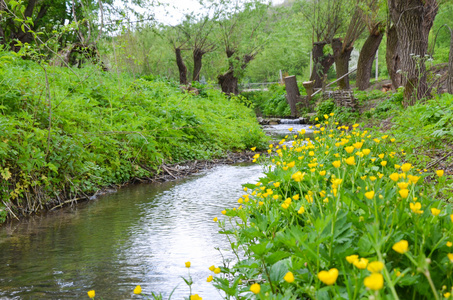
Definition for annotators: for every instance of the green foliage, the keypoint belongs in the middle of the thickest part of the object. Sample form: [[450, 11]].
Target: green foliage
[[433, 127], [272, 102], [104, 130], [346, 203]]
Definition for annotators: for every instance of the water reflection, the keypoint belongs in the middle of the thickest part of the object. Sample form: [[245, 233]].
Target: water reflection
[[140, 235]]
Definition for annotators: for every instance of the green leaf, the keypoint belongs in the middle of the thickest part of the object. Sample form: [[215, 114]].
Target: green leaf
[[278, 270]]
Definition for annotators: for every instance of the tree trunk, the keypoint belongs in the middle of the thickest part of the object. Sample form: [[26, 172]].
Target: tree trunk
[[342, 55], [413, 20], [181, 67], [321, 63], [392, 58], [229, 83], [450, 65], [292, 94], [197, 63], [366, 58]]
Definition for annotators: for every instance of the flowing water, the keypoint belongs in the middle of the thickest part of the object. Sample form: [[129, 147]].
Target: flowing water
[[140, 235]]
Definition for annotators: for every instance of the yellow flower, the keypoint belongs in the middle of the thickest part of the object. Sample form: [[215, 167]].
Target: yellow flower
[[375, 266], [435, 211], [383, 163], [290, 129], [358, 145], [374, 282], [223, 212], [212, 268], [404, 193], [447, 295], [301, 210], [91, 294], [440, 173], [328, 277], [188, 264], [406, 167], [296, 197], [450, 256], [349, 149], [215, 219], [413, 179], [366, 151], [291, 164], [255, 288], [451, 218], [256, 156], [138, 290], [322, 173], [336, 164], [361, 263], [401, 246], [253, 148], [416, 207], [298, 176], [276, 184], [217, 271], [369, 195], [289, 277], [449, 244], [373, 178], [195, 297], [352, 258], [210, 278], [350, 161], [403, 185]]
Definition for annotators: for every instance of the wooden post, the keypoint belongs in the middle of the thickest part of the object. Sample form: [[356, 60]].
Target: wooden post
[[292, 94], [309, 88]]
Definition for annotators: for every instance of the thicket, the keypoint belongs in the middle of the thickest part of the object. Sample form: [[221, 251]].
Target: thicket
[[85, 128]]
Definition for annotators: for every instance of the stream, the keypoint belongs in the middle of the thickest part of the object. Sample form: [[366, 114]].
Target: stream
[[141, 235]]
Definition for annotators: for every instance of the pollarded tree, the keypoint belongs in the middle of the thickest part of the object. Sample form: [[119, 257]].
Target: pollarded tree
[[342, 47], [325, 18], [244, 30], [374, 22], [179, 37], [412, 21]]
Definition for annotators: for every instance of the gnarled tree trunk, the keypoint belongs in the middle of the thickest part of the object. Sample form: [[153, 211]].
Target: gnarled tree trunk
[[342, 55], [197, 63], [228, 82], [413, 20], [392, 58], [181, 67], [321, 63], [366, 58]]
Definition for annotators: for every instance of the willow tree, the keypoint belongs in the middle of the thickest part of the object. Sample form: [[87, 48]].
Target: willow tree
[[412, 21], [325, 18], [371, 16], [244, 32], [342, 47], [179, 37]]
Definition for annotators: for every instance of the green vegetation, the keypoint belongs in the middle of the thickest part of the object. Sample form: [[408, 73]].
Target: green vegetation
[[91, 128], [344, 216]]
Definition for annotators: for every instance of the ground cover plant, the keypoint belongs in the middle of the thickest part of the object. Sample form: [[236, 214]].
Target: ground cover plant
[[341, 216], [65, 133]]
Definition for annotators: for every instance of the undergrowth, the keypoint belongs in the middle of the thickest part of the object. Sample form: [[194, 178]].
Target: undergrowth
[[87, 129]]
